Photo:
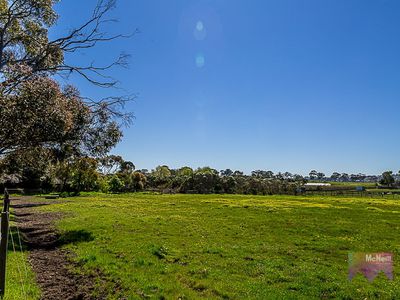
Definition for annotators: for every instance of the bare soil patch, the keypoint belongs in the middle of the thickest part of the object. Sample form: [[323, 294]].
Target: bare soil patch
[[51, 264]]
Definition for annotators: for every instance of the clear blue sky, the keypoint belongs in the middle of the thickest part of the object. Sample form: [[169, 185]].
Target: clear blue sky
[[277, 85]]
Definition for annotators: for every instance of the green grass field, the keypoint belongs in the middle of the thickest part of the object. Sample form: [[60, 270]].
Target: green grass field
[[231, 246], [354, 184]]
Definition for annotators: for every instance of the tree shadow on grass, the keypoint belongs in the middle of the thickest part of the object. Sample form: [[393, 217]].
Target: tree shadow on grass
[[45, 239], [74, 237], [28, 205]]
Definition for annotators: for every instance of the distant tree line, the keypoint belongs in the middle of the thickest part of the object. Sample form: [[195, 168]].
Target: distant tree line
[[207, 180], [42, 168], [386, 178]]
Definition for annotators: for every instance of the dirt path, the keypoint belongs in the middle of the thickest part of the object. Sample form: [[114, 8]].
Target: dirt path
[[50, 263]]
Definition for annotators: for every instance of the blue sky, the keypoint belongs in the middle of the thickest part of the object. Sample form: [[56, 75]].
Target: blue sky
[[277, 85]]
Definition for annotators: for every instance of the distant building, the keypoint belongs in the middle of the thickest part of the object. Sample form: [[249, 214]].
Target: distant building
[[317, 184]]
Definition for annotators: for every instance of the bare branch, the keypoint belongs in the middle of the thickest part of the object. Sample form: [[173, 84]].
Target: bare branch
[[86, 36]]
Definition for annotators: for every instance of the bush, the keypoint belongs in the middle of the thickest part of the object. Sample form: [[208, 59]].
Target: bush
[[115, 184], [103, 186]]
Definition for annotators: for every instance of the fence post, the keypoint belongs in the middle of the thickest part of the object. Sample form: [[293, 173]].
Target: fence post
[[4, 242], [6, 207]]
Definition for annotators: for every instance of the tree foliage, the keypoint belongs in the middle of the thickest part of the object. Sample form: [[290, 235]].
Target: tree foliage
[[36, 112], [50, 135], [26, 49], [387, 178]]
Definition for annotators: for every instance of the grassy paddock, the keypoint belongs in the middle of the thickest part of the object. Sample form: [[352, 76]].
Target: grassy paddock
[[354, 184], [230, 246]]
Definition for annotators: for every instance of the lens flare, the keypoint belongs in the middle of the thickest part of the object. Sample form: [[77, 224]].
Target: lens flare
[[199, 31], [200, 61], [199, 26]]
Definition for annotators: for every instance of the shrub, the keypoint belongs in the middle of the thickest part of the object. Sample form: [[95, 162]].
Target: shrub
[[115, 184], [103, 185]]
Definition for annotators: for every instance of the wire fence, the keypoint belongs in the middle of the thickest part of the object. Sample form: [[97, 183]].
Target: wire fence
[[4, 232], [351, 193], [12, 234]]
